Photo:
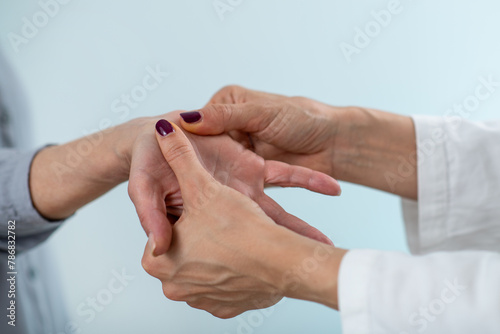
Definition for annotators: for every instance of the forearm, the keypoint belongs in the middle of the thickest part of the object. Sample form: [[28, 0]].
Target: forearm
[[376, 149], [372, 148], [64, 178]]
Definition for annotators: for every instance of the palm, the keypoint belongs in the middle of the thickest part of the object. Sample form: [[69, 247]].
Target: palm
[[155, 191]]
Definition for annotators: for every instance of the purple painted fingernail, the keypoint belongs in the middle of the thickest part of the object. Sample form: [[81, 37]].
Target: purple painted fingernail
[[164, 127], [191, 116]]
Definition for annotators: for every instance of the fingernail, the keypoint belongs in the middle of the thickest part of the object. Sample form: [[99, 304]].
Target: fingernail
[[152, 243], [164, 127], [191, 116]]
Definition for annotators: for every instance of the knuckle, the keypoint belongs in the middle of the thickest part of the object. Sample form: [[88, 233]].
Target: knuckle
[[219, 111], [299, 99], [139, 182], [133, 188], [173, 292], [148, 266], [228, 89], [278, 121], [269, 107], [264, 112], [226, 113], [231, 91], [225, 313]]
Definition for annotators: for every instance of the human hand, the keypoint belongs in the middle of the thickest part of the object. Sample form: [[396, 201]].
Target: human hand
[[227, 256], [154, 189], [295, 130], [366, 146]]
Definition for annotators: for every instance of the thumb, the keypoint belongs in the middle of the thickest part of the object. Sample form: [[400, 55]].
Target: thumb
[[215, 119], [180, 155]]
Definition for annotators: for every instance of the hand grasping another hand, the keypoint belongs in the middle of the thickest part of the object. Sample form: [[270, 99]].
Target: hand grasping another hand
[[155, 191], [227, 256]]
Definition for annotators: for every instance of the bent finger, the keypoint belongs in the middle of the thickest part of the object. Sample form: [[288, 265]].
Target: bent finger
[[150, 206]]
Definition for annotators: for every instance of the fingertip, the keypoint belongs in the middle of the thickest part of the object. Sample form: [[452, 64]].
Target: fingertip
[[328, 241], [285, 175], [164, 128], [325, 185], [195, 127], [192, 117], [198, 122], [291, 222], [320, 237]]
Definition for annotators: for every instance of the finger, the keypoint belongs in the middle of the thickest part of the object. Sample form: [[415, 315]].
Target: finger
[[284, 175], [175, 211], [233, 94], [180, 155], [219, 118], [150, 206], [283, 218]]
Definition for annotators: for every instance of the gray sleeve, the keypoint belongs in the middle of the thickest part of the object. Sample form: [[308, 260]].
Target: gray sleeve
[[16, 204]]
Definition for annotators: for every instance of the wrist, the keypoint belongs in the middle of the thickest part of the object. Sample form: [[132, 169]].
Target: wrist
[[346, 124], [314, 276], [64, 178], [370, 148], [124, 142], [304, 269]]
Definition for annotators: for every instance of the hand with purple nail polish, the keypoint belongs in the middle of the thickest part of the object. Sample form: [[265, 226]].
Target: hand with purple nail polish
[[227, 255], [155, 191], [351, 144], [295, 130]]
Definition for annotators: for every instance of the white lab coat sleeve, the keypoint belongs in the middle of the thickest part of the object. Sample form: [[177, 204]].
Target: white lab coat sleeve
[[458, 186], [444, 292], [449, 291]]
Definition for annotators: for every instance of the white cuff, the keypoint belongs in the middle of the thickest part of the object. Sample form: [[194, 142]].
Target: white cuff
[[353, 290]]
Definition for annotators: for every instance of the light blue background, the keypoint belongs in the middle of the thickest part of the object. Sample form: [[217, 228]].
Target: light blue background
[[427, 59]]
